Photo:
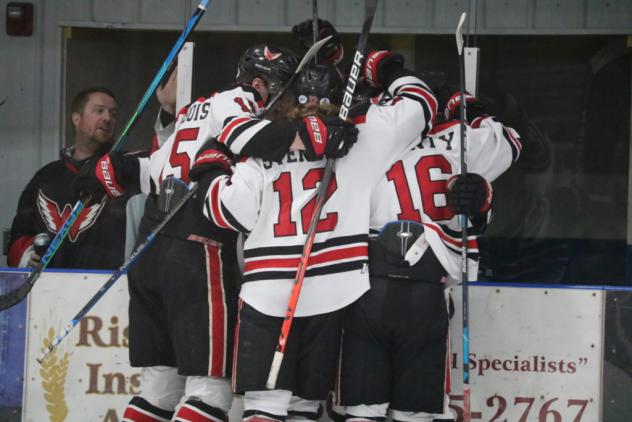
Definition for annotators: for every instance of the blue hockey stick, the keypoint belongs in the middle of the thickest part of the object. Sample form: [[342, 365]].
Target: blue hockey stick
[[16, 296], [138, 251]]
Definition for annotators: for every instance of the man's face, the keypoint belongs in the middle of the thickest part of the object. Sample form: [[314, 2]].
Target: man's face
[[97, 121]]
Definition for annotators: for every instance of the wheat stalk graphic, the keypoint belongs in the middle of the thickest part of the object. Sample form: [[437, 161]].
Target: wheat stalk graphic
[[53, 372]]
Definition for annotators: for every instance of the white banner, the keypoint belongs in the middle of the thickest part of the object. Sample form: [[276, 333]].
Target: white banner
[[535, 354], [88, 377]]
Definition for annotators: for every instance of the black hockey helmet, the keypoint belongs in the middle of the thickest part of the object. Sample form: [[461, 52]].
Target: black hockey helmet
[[275, 65], [322, 81]]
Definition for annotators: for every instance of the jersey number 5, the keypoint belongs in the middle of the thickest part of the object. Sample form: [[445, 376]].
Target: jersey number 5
[[428, 188], [283, 186], [181, 159]]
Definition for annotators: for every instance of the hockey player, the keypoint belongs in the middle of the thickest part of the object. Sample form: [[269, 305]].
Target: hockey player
[[273, 203], [183, 291], [98, 236], [394, 338]]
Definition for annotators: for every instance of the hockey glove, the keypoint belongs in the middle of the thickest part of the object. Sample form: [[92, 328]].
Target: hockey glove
[[211, 156], [109, 175], [330, 53], [326, 136], [213, 159], [469, 194], [473, 107], [380, 68]]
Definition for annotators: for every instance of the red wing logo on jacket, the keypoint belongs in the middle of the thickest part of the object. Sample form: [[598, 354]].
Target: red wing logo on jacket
[[54, 218], [270, 55]]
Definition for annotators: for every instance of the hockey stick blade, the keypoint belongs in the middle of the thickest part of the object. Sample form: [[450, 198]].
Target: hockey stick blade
[[17, 295], [459, 34], [370, 6], [313, 50], [123, 269]]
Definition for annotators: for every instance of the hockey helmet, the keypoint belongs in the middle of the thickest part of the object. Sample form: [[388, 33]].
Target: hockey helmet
[[322, 81], [275, 65]]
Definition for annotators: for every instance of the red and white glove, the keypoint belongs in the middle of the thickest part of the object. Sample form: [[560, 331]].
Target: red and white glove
[[108, 175], [474, 108], [326, 136], [212, 155], [379, 67]]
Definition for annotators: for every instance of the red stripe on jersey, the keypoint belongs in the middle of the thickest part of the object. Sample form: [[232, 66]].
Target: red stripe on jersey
[[476, 123], [227, 130], [513, 139], [217, 312], [71, 167], [154, 144], [215, 206], [430, 99], [472, 243], [134, 414], [233, 379], [17, 249], [322, 258], [188, 413]]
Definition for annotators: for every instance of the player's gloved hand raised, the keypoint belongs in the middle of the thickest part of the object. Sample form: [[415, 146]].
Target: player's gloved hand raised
[[211, 156], [469, 194], [330, 53], [380, 67], [108, 175], [326, 136], [473, 107]]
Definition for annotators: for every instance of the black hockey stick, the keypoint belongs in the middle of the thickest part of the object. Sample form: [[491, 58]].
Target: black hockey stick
[[463, 218], [123, 269], [370, 7], [17, 295]]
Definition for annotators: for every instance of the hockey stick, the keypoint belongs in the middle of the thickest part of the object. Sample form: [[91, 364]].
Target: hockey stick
[[306, 58], [138, 251], [463, 218], [15, 296], [369, 12], [315, 26]]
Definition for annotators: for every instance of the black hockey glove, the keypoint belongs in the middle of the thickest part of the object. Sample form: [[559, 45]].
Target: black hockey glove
[[473, 107], [381, 67], [211, 156], [109, 175], [213, 159], [330, 53], [326, 136], [470, 194]]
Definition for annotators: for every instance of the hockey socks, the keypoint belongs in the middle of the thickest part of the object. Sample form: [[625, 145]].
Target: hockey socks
[[198, 411], [140, 410], [260, 416]]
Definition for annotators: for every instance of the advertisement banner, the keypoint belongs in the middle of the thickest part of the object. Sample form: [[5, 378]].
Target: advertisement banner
[[535, 354], [88, 377]]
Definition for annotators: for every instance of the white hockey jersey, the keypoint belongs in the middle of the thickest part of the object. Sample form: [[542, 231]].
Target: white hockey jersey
[[229, 115], [415, 186], [273, 203]]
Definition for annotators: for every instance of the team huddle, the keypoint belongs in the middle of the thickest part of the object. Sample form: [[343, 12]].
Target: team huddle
[[208, 299]]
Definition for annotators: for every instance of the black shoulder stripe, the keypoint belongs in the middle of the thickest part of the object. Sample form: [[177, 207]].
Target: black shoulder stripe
[[239, 130], [232, 220]]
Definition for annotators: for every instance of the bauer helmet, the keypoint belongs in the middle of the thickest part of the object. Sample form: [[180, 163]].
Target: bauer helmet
[[322, 81], [275, 65]]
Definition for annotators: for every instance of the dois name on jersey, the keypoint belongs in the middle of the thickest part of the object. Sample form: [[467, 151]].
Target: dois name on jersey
[[197, 111]]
